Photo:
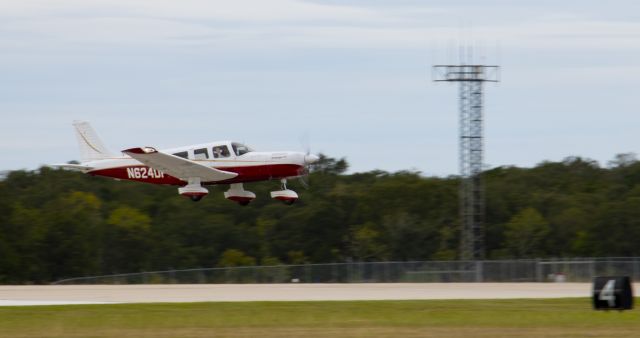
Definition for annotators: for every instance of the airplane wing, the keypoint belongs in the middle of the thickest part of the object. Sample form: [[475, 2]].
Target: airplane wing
[[177, 166]]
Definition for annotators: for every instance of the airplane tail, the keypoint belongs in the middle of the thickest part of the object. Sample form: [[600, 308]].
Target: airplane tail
[[91, 148]]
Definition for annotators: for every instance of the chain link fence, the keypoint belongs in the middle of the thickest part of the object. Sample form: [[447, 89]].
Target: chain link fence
[[526, 270]]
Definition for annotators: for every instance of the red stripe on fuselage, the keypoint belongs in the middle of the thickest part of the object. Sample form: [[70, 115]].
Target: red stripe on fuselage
[[245, 174]]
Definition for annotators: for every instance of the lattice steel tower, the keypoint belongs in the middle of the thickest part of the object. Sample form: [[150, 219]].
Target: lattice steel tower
[[472, 198]]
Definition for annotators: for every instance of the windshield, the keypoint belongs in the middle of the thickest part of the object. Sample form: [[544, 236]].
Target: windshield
[[240, 149]]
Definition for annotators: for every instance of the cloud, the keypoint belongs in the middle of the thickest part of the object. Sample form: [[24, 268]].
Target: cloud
[[292, 24], [239, 10]]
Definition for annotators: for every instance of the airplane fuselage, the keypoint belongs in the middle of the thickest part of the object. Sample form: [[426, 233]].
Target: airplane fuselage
[[250, 167]]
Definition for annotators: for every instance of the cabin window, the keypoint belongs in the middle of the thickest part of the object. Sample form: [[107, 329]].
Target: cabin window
[[220, 151], [240, 149], [200, 154], [182, 154]]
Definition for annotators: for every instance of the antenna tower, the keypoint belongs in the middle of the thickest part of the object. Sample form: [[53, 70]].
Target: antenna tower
[[471, 78]]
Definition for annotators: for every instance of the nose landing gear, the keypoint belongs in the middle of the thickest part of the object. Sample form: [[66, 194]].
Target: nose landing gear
[[285, 195]]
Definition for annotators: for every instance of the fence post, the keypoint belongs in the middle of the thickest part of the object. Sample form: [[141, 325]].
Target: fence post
[[479, 272], [386, 272], [538, 271], [334, 272]]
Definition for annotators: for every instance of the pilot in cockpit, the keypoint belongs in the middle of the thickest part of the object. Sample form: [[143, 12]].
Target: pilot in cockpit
[[217, 152], [220, 151]]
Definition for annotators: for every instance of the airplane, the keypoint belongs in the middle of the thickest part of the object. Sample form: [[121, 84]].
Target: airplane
[[193, 167]]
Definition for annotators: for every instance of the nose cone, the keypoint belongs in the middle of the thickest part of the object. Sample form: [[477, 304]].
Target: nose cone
[[310, 158]]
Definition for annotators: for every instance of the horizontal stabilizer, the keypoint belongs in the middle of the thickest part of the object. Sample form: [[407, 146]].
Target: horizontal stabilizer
[[69, 166], [177, 166]]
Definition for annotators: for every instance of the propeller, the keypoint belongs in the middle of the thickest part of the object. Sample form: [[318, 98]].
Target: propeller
[[304, 177], [309, 159]]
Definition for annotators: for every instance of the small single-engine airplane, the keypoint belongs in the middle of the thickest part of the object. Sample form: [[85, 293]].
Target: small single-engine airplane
[[191, 167]]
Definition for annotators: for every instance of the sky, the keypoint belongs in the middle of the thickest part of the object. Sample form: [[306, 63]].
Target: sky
[[348, 78]]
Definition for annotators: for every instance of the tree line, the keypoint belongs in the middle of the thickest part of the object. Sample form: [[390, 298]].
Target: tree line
[[57, 224]]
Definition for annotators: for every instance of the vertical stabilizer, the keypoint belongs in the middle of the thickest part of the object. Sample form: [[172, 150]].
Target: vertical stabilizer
[[91, 148]]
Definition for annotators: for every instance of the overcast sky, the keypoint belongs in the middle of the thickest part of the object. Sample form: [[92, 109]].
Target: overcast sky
[[351, 76]]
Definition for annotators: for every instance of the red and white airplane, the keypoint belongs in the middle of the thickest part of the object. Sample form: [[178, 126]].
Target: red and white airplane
[[192, 167]]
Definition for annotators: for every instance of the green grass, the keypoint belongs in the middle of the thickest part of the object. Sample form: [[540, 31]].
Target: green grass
[[442, 318]]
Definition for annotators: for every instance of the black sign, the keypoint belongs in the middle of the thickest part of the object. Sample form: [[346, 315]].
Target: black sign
[[612, 293]]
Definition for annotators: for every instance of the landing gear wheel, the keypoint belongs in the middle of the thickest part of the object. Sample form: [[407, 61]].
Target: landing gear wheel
[[244, 203], [196, 198], [288, 202]]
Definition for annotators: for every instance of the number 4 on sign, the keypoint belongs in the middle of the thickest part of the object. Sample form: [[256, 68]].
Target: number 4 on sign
[[608, 292]]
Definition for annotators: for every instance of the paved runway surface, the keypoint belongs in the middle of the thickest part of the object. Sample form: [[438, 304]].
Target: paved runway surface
[[104, 294]]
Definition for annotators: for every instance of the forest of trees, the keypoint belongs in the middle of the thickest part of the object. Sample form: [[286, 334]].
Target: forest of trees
[[56, 224]]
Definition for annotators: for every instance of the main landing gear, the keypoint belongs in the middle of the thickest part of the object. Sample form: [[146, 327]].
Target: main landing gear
[[237, 194], [194, 190], [284, 195]]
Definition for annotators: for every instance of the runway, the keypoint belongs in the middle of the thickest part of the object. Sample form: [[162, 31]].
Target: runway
[[111, 294]]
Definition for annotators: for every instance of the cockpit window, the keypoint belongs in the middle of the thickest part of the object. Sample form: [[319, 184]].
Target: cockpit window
[[220, 151], [240, 149], [200, 154], [182, 154]]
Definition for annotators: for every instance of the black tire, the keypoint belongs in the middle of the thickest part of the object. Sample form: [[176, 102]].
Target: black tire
[[244, 203], [196, 198], [288, 202]]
